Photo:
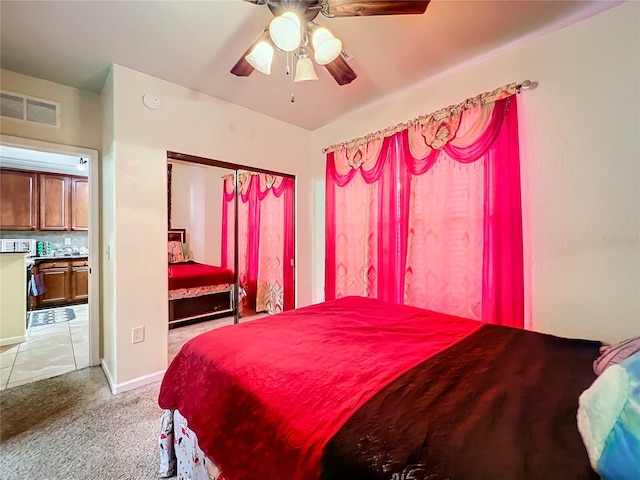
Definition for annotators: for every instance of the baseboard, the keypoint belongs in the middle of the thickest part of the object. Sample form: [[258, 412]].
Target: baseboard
[[107, 373], [12, 340], [117, 388]]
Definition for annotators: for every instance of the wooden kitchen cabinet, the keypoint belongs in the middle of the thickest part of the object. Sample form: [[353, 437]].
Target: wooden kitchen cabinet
[[79, 203], [43, 201], [55, 197], [55, 277], [79, 281], [66, 282], [18, 200]]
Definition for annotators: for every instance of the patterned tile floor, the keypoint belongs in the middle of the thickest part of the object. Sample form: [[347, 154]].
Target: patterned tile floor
[[50, 350]]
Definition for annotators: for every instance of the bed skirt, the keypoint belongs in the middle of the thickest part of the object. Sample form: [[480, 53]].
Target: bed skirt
[[179, 451]]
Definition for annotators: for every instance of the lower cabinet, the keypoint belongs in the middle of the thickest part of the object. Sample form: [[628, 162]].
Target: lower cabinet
[[65, 282], [79, 282], [55, 280]]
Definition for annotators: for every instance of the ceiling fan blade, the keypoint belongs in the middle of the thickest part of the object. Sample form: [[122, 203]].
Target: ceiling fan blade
[[355, 8], [341, 71], [242, 68]]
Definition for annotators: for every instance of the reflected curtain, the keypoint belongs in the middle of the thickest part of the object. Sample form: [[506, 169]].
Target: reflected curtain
[[275, 269], [265, 239], [431, 215]]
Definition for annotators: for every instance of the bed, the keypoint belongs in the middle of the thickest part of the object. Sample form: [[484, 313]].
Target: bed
[[197, 292], [358, 389]]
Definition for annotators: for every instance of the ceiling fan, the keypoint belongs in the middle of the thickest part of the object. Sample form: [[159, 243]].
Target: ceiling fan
[[293, 30]]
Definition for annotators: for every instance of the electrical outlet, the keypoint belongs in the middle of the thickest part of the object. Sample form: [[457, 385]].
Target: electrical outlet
[[137, 334], [67, 241]]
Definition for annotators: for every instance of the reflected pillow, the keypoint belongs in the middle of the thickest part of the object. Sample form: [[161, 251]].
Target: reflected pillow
[[185, 252], [175, 252]]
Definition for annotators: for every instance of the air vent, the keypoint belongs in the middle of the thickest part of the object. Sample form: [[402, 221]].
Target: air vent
[[29, 109]]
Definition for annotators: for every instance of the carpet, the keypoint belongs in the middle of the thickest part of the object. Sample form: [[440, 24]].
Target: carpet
[[71, 427], [47, 317]]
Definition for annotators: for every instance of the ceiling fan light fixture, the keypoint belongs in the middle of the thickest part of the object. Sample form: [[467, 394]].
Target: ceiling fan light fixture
[[261, 57], [304, 68], [286, 31], [326, 46]]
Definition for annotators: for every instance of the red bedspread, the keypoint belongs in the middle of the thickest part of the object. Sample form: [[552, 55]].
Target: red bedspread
[[264, 397], [192, 274]]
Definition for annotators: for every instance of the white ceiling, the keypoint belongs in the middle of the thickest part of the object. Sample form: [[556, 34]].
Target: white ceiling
[[196, 43]]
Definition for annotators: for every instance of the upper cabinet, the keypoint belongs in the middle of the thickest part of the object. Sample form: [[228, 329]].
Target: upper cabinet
[[54, 201], [18, 200], [43, 201], [79, 203]]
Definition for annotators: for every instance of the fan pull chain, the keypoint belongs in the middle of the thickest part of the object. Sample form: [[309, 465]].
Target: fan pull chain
[[292, 97]]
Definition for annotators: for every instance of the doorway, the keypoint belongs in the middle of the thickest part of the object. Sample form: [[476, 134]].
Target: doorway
[[62, 289]]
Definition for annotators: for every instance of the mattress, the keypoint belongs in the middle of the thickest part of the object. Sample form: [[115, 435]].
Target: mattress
[[360, 389], [192, 274]]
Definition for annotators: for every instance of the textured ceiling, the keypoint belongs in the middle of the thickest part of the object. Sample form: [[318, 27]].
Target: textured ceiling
[[195, 44]]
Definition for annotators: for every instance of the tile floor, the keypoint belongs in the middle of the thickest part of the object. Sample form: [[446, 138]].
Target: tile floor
[[50, 350]]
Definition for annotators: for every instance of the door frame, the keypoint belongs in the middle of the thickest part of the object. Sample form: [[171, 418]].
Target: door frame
[[95, 309]]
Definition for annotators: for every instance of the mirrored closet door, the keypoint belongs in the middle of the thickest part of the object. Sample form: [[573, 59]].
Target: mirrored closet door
[[235, 229]]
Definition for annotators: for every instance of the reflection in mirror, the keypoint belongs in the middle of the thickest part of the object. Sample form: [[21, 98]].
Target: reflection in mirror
[[215, 276], [265, 241], [200, 286]]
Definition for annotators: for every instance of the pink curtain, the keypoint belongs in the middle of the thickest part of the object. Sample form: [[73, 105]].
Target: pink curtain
[[265, 239], [431, 216], [275, 268], [248, 232], [363, 256], [228, 223]]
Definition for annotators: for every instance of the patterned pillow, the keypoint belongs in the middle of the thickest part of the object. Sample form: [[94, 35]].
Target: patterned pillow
[[614, 354], [175, 252]]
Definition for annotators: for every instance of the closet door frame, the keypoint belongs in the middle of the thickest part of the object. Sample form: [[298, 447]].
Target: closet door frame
[[236, 167]]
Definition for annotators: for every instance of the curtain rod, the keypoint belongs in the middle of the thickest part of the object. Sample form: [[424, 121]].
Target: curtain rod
[[478, 100]]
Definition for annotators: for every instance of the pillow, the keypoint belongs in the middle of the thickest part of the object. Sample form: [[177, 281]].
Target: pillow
[[185, 252], [609, 421], [175, 252], [614, 354]]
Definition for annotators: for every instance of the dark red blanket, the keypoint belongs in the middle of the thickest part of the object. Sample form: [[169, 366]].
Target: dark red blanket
[[265, 397], [499, 405], [192, 274]]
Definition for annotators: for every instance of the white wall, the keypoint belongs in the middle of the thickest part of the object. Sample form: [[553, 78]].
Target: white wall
[[213, 214], [192, 123], [80, 112], [107, 217], [196, 205], [579, 151]]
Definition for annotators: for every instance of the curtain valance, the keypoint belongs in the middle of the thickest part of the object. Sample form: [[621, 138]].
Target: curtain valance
[[465, 135], [262, 182], [432, 118]]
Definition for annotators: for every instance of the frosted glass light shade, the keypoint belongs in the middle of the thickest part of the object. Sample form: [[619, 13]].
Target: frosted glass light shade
[[285, 31], [261, 57], [304, 70], [326, 46]]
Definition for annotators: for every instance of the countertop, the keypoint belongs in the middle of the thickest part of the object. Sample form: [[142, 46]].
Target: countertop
[[59, 257]]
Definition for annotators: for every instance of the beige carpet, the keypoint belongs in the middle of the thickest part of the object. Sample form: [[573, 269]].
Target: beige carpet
[[71, 427]]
